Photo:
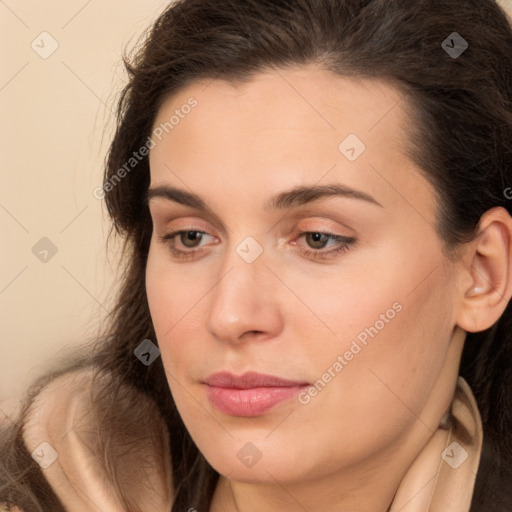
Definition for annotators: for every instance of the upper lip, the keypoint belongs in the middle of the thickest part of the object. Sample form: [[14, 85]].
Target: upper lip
[[249, 380]]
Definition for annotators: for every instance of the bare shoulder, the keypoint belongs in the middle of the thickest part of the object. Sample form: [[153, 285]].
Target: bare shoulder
[[100, 443]]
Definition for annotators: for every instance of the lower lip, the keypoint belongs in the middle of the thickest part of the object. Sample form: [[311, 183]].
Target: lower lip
[[250, 402]]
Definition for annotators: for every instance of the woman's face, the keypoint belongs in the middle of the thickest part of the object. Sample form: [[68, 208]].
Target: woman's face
[[309, 255]]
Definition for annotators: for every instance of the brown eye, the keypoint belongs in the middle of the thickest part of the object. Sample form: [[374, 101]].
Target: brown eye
[[323, 245], [317, 240], [191, 239], [187, 244]]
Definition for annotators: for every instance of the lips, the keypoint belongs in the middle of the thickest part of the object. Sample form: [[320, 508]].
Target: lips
[[249, 380], [250, 394]]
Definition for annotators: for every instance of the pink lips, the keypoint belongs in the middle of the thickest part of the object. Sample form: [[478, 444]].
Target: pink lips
[[250, 394]]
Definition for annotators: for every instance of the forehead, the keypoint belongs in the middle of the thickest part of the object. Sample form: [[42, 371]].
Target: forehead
[[292, 112], [282, 98], [287, 127]]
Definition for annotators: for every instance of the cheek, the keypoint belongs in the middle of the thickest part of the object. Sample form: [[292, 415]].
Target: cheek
[[167, 292], [393, 342], [175, 298]]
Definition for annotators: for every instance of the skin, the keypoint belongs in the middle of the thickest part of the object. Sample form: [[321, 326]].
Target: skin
[[291, 314]]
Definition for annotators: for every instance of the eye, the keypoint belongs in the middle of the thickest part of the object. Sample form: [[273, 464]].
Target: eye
[[318, 242], [189, 239]]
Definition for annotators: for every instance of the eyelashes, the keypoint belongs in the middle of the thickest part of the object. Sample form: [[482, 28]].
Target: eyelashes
[[182, 244]]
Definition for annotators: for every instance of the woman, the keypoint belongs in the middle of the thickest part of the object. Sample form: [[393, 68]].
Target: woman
[[315, 311]]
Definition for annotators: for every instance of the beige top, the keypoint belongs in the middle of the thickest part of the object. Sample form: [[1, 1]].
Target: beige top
[[441, 479]]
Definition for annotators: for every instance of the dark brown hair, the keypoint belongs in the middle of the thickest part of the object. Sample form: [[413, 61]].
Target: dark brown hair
[[461, 138]]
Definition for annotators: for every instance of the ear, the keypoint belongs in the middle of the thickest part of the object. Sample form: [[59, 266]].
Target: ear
[[486, 284]]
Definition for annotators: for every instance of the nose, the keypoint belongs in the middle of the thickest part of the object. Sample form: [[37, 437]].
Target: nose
[[244, 303]]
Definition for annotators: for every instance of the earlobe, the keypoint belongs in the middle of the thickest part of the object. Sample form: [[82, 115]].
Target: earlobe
[[488, 272]]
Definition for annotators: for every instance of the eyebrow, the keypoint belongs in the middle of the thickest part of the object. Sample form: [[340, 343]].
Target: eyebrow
[[293, 198]]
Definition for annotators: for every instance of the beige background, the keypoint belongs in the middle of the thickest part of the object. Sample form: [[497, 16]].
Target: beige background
[[54, 112], [56, 123]]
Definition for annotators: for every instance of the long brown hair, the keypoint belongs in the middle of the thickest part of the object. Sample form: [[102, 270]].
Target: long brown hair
[[461, 140]]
